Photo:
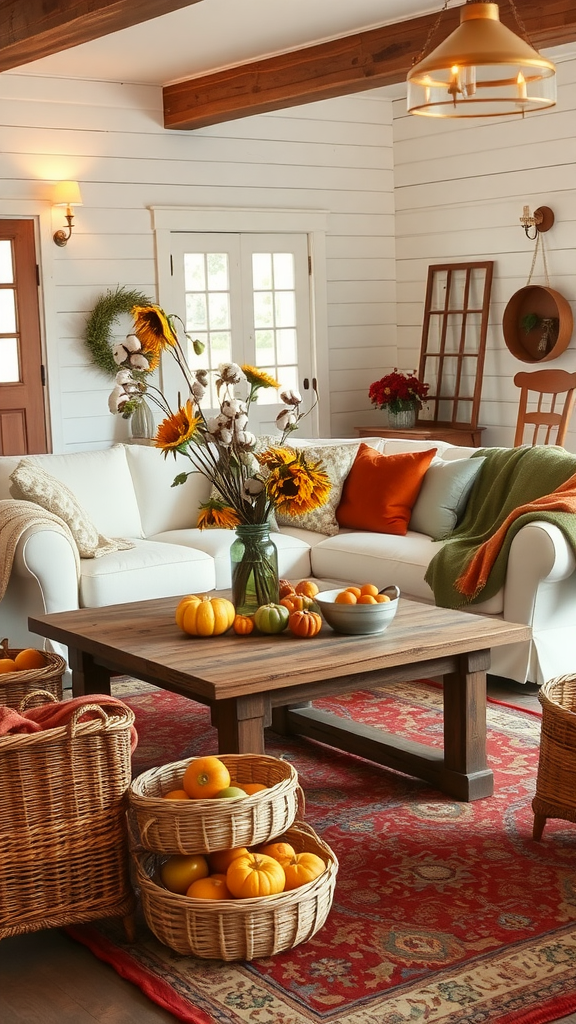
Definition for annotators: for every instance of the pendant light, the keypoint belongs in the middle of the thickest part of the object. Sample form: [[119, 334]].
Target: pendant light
[[481, 70]]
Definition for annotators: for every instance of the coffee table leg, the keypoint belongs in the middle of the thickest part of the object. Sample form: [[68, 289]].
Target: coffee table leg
[[86, 676], [466, 774], [240, 722]]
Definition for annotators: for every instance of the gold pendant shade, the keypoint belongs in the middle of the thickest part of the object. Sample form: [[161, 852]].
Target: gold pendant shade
[[481, 70]]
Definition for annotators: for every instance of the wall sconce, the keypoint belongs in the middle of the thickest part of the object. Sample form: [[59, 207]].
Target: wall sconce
[[541, 220], [66, 193]]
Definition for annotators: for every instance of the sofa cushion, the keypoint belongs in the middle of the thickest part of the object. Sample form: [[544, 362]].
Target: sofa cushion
[[101, 482], [380, 490], [32, 483], [443, 496], [163, 507], [148, 570], [336, 461], [293, 551]]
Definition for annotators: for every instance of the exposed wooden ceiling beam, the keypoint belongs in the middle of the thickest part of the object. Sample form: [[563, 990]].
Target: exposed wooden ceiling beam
[[366, 60], [30, 29]]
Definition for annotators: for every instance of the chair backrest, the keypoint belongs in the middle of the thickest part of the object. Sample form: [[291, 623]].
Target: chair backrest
[[551, 414]]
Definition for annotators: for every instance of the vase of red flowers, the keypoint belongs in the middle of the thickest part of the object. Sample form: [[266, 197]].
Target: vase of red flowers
[[402, 394]]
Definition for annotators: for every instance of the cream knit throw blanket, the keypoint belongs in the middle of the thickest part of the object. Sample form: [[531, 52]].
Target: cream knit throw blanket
[[15, 518]]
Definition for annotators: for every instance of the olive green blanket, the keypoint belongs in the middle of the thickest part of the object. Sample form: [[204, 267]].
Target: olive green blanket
[[509, 479]]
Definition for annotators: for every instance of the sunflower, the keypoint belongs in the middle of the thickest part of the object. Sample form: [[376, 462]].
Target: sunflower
[[259, 378], [294, 485], [216, 513], [176, 430], [154, 330]]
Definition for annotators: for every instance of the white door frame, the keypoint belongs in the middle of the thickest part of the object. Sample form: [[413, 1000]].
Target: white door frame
[[313, 223]]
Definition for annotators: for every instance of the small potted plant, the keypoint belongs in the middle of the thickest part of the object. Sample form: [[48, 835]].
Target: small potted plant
[[402, 394]]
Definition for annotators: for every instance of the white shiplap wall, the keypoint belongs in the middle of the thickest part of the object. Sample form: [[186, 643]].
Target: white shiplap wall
[[460, 190], [335, 155]]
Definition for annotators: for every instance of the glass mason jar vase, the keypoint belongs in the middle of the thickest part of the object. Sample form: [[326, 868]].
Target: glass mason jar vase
[[254, 563], [404, 419]]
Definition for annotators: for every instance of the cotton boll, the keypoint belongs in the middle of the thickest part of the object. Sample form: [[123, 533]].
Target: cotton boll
[[117, 399], [138, 361], [132, 343], [119, 354], [286, 418]]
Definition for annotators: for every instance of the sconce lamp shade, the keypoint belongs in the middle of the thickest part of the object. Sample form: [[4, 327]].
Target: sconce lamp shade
[[481, 70], [67, 193]]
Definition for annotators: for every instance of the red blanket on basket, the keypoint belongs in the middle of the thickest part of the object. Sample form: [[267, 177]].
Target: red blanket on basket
[[51, 715]]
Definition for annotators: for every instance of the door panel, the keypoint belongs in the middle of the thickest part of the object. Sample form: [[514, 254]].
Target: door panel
[[22, 412]]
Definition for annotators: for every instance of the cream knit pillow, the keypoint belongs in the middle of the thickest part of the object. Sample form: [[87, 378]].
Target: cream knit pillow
[[32, 483]]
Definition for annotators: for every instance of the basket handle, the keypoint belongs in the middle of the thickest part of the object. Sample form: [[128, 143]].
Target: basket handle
[[80, 712], [45, 694], [301, 804]]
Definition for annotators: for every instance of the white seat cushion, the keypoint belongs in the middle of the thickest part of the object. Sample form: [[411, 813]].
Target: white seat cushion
[[293, 551], [148, 570], [383, 559]]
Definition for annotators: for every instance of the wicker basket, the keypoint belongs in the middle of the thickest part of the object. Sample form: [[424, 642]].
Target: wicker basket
[[203, 826], [63, 837], [556, 781], [14, 686], [239, 929]]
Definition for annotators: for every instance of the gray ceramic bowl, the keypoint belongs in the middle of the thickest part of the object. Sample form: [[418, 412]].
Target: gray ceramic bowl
[[357, 618]]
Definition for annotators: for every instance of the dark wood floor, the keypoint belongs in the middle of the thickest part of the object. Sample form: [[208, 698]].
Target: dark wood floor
[[46, 978]]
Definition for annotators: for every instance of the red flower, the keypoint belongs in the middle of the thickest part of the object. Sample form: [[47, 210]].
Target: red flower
[[398, 391]]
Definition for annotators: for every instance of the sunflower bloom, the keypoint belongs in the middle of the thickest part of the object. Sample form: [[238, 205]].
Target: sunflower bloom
[[153, 328], [294, 485], [176, 430], [258, 378], [216, 513]]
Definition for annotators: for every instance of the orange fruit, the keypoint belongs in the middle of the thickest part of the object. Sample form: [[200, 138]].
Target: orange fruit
[[280, 851], [180, 870], [212, 888], [8, 665], [353, 590], [302, 868], [307, 587], [205, 777], [176, 794], [345, 597], [29, 658], [367, 599], [381, 598], [251, 787], [220, 860], [369, 588]]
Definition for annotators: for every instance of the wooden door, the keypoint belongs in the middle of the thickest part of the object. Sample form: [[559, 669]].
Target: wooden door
[[22, 411]]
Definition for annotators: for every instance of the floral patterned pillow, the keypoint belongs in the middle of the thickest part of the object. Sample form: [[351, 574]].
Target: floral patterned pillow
[[337, 462]]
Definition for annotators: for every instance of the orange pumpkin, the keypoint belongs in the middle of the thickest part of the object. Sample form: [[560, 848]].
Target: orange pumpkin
[[205, 777], [204, 616], [305, 623], [285, 588], [302, 868], [243, 624], [220, 860], [307, 587], [212, 888], [280, 851], [255, 875], [297, 602]]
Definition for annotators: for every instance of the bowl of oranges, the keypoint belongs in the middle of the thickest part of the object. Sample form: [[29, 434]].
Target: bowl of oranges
[[359, 609]]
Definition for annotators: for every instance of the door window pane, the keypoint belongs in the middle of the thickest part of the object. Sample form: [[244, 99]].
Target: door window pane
[[207, 285], [283, 270], [6, 268], [274, 286], [7, 311], [9, 363]]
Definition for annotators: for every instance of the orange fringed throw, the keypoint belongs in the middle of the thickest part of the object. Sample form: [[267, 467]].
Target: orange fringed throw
[[473, 579]]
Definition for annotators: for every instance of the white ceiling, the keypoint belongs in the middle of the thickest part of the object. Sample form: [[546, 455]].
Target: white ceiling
[[214, 34]]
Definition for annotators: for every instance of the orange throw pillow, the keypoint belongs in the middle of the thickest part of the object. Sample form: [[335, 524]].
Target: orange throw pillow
[[380, 490]]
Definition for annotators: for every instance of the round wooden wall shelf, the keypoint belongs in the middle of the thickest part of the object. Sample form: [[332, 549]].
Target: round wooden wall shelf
[[552, 329]]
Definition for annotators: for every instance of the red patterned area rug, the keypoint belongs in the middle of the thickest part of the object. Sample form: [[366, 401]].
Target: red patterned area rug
[[444, 912]]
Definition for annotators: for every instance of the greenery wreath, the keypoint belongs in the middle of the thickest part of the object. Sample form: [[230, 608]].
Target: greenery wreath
[[107, 311]]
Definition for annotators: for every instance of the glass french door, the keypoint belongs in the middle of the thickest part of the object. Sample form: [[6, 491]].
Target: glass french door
[[246, 297]]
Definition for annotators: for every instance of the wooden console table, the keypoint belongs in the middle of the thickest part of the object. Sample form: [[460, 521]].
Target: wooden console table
[[468, 437]]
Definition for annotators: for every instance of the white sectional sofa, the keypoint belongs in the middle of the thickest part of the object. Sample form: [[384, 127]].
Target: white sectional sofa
[[126, 492]]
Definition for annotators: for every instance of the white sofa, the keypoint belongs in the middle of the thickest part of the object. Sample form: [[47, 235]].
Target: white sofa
[[126, 492]]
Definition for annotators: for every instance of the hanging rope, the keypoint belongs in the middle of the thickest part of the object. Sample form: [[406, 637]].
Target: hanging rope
[[544, 261]]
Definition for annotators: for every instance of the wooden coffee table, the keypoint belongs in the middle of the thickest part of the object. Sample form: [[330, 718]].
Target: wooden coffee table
[[252, 682]]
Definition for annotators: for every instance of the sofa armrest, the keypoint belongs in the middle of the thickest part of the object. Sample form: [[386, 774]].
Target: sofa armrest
[[49, 557], [539, 554]]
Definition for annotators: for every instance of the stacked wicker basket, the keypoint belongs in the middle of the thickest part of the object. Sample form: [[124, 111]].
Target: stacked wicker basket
[[63, 836], [15, 686], [227, 929]]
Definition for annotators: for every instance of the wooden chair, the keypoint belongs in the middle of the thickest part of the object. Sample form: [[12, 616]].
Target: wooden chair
[[548, 416]]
